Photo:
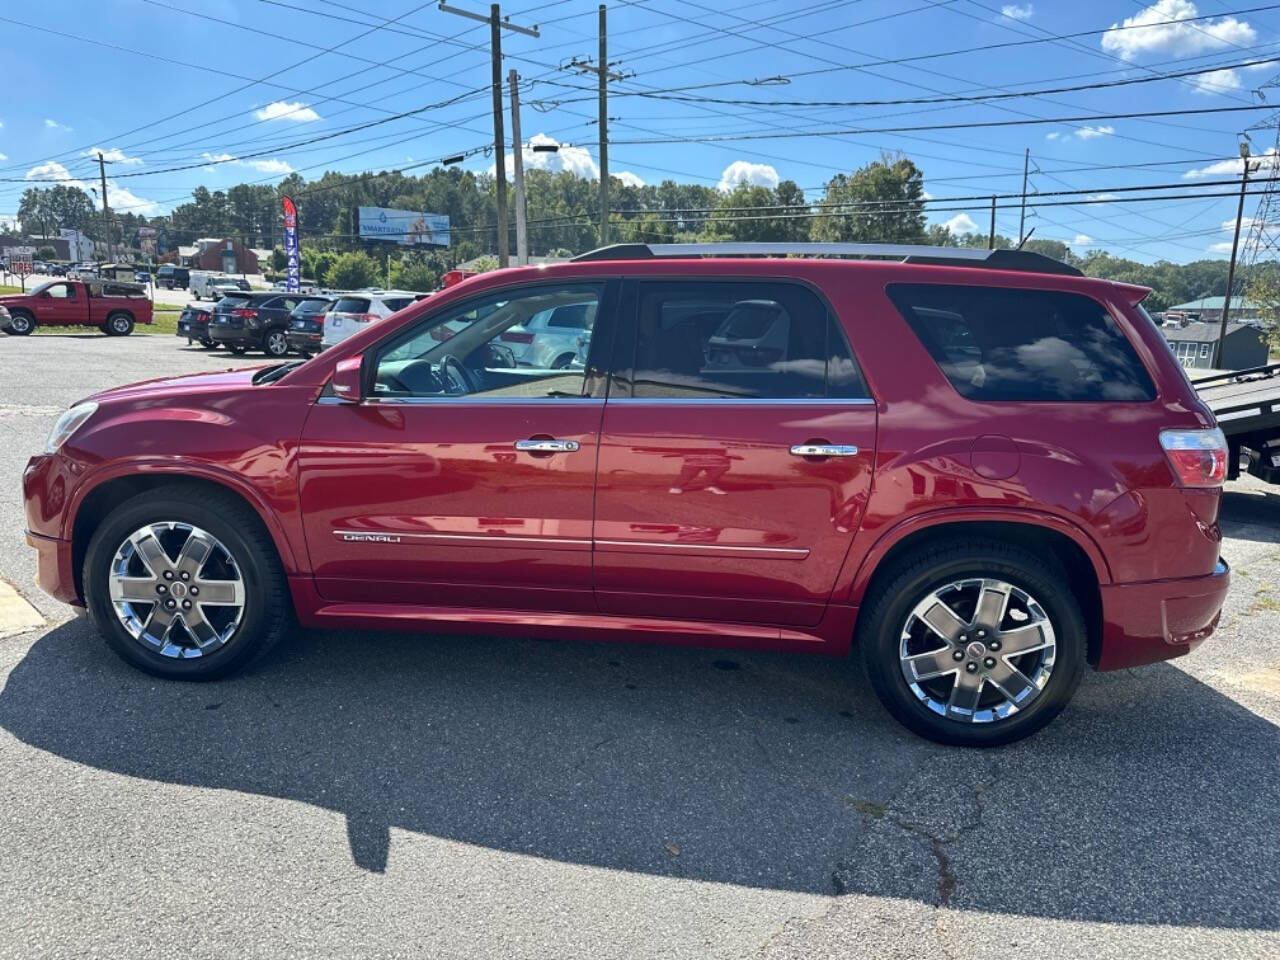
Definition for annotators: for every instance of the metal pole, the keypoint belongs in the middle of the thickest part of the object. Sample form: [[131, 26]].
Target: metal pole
[[106, 223], [499, 140], [1022, 218], [522, 227], [1231, 270], [603, 96], [991, 237]]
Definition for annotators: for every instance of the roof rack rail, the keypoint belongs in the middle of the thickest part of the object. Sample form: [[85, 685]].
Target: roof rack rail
[[902, 252]]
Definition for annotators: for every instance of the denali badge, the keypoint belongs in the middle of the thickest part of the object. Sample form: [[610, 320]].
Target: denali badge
[[368, 537]]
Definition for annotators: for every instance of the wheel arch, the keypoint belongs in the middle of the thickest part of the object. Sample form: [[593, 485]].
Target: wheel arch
[[1041, 534], [93, 502]]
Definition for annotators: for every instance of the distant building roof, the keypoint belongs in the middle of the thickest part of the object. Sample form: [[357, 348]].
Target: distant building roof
[[1202, 332], [1215, 303], [185, 251]]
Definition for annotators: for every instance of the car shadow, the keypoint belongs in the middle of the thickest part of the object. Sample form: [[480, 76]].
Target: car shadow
[[1249, 513], [1151, 800]]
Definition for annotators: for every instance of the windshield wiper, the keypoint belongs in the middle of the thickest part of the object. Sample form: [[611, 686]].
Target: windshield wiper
[[272, 374]]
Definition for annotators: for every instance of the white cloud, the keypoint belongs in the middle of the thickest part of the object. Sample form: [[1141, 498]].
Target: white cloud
[[296, 112], [114, 155], [1174, 39], [1220, 81], [567, 159], [741, 171], [1052, 136], [55, 125], [1017, 12], [926, 195], [1232, 167], [1089, 133], [270, 165], [1103, 197], [961, 223], [3, 157], [1223, 247], [1082, 240], [120, 198]]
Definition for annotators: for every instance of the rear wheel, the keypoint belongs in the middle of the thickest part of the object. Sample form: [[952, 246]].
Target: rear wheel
[[275, 344], [975, 643], [119, 325], [209, 344], [562, 361], [21, 323], [184, 587], [239, 349]]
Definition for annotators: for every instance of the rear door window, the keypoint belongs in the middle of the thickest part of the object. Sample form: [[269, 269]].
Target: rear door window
[[734, 340], [1002, 344]]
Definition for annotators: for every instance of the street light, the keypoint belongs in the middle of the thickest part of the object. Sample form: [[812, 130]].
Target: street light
[[1246, 165]]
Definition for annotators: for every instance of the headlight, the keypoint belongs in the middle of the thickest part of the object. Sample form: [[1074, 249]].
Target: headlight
[[67, 424]]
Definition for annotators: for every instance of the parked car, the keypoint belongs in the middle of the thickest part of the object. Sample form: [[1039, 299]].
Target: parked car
[[253, 321], [193, 324], [220, 288], [306, 325], [550, 338], [172, 278], [111, 306], [142, 276], [980, 528], [353, 312]]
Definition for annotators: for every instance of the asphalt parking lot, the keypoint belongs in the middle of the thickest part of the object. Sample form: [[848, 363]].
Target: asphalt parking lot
[[419, 796]]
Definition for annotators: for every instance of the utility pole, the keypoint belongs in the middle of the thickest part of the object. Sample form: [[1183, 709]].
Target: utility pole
[[603, 76], [522, 228], [1022, 218], [106, 222], [496, 26], [1231, 270], [991, 237], [602, 96]]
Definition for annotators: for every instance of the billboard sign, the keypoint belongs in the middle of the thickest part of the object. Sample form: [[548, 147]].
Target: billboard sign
[[291, 250], [405, 227]]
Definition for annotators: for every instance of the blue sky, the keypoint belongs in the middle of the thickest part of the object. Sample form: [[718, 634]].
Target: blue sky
[[217, 87]]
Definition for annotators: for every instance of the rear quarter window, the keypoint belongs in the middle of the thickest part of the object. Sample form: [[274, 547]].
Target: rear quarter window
[[1001, 344], [351, 305]]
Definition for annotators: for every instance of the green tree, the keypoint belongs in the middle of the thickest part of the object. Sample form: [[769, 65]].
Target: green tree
[[751, 212], [279, 259], [882, 202], [352, 271], [46, 253]]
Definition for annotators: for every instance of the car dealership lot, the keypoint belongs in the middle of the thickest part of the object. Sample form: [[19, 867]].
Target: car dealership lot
[[427, 796]]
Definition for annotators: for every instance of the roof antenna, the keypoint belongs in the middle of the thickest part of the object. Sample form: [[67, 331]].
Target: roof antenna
[[1025, 239]]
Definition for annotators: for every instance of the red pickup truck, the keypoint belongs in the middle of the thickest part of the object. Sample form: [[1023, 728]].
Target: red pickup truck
[[111, 306]]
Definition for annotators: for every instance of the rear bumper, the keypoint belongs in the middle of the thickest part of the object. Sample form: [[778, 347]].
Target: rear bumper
[[241, 336], [55, 573], [302, 342], [193, 331], [1148, 622]]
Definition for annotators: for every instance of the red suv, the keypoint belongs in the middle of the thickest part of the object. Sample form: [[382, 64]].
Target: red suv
[[980, 468]]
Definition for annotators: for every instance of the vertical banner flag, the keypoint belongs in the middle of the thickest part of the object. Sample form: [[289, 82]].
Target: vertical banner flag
[[291, 244]]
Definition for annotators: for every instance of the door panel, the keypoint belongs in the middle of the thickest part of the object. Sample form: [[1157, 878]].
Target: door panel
[[702, 511], [61, 304], [431, 503]]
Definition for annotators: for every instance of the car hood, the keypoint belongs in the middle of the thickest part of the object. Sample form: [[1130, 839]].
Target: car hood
[[223, 380]]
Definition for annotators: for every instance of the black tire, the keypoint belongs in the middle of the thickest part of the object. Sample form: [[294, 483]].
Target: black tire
[[119, 324], [275, 344], [209, 344], [21, 323], [888, 609], [267, 613], [562, 361], [239, 349]]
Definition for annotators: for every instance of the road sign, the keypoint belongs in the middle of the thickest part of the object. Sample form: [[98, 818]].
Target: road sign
[[20, 263]]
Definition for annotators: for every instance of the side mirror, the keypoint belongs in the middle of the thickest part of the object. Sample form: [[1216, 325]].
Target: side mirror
[[346, 379]]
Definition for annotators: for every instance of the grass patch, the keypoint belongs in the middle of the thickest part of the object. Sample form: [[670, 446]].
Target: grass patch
[[163, 322]]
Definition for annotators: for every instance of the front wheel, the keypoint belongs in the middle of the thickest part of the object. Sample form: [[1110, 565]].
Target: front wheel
[[974, 644], [21, 323], [119, 325], [275, 344], [239, 349], [185, 584]]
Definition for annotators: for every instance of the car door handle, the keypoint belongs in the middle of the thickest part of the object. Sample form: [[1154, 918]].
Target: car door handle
[[546, 446], [823, 450]]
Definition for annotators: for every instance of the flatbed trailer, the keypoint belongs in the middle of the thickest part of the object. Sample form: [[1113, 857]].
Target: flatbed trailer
[[1247, 406]]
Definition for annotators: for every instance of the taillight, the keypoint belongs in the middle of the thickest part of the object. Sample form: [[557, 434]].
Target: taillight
[[512, 336], [1198, 457], [365, 317], [246, 314]]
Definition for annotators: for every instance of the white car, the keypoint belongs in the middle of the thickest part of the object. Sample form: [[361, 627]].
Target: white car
[[550, 340], [354, 311]]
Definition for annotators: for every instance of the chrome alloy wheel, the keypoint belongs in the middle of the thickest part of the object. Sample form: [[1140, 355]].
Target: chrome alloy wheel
[[177, 590], [977, 650]]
